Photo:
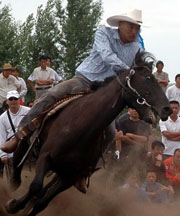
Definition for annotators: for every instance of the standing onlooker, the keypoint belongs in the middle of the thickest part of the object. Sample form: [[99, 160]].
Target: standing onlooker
[[7, 83], [132, 135], [172, 165], [58, 78], [9, 122], [30, 104], [173, 92], [43, 77], [161, 76], [170, 130], [23, 91]]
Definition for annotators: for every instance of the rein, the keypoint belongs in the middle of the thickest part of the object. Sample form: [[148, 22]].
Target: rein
[[140, 100]]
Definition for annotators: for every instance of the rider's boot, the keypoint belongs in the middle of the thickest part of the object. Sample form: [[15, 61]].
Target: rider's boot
[[81, 185], [22, 133]]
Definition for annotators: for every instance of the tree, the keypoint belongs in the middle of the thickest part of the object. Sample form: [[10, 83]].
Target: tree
[[8, 37], [81, 21], [65, 34], [39, 36], [46, 36]]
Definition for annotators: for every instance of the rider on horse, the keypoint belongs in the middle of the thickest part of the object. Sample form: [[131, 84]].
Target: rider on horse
[[113, 49]]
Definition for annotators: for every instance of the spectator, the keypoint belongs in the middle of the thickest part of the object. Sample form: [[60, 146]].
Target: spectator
[[9, 122], [156, 191], [23, 91], [131, 185], [172, 165], [5, 106], [154, 161], [58, 78], [162, 77], [132, 135], [43, 77], [30, 103], [173, 92], [170, 130], [7, 83]]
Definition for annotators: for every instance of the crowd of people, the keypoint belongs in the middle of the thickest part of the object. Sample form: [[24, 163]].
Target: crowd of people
[[157, 163], [13, 91]]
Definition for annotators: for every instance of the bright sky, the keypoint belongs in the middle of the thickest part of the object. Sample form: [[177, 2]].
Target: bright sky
[[162, 37]]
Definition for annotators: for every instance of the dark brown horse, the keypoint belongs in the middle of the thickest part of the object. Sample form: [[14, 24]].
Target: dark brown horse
[[72, 140]]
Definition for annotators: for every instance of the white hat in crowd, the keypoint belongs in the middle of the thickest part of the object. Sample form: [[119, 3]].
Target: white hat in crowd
[[133, 16], [13, 93]]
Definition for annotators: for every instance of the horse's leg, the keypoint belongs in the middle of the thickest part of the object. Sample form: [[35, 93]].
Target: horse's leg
[[15, 179], [42, 167], [57, 187]]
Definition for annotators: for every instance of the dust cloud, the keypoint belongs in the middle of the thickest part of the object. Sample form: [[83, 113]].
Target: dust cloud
[[104, 198]]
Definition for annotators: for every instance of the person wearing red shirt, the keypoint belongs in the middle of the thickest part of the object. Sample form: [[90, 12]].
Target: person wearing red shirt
[[172, 165]]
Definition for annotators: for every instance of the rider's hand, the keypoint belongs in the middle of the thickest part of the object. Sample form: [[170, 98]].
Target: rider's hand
[[117, 155]]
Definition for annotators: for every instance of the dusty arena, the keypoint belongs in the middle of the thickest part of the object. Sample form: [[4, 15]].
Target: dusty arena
[[102, 199]]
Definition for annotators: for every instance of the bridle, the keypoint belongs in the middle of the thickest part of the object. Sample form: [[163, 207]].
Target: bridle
[[128, 87]]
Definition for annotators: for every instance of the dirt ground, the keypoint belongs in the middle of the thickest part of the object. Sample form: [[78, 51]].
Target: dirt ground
[[103, 198]]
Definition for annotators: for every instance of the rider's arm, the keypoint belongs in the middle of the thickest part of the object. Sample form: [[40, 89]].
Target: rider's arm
[[103, 47]]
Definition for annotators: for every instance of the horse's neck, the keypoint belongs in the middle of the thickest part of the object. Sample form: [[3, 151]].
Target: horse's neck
[[111, 99]]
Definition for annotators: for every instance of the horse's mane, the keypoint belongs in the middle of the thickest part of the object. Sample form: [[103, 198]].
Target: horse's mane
[[142, 58], [145, 59]]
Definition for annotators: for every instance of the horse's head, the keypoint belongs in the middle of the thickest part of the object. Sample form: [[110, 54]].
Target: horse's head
[[143, 92]]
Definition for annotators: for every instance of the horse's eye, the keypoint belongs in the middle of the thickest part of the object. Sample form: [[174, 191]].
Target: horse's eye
[[148, 77]]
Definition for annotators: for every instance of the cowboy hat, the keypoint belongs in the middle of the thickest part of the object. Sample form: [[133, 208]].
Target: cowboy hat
[[133, 16], [7, 66]]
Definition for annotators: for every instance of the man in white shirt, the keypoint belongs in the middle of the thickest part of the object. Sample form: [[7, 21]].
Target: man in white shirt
[[43, 77], [173, 92], [58, 77], [16, 113], [7, 83], [170, 130]]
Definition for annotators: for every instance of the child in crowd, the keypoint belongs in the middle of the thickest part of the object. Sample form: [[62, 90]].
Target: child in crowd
[[131, 184], [156, 191]]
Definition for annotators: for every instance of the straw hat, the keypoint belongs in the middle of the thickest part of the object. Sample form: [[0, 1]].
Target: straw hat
[[133, 16], [7, 66]]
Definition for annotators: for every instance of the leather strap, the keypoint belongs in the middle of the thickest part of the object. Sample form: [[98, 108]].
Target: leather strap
[[10, 120]]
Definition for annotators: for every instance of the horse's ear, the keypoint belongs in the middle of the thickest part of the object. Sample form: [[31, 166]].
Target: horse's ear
[[137, 59], [151, 65]]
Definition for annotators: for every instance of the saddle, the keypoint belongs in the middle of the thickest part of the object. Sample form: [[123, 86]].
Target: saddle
[[37, 123]]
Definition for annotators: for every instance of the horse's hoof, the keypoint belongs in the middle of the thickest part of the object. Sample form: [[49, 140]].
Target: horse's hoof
[[11, 206]]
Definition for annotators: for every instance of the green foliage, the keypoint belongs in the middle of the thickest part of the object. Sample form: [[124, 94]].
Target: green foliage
[[65, 34], [81, 21], [8, 36]]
